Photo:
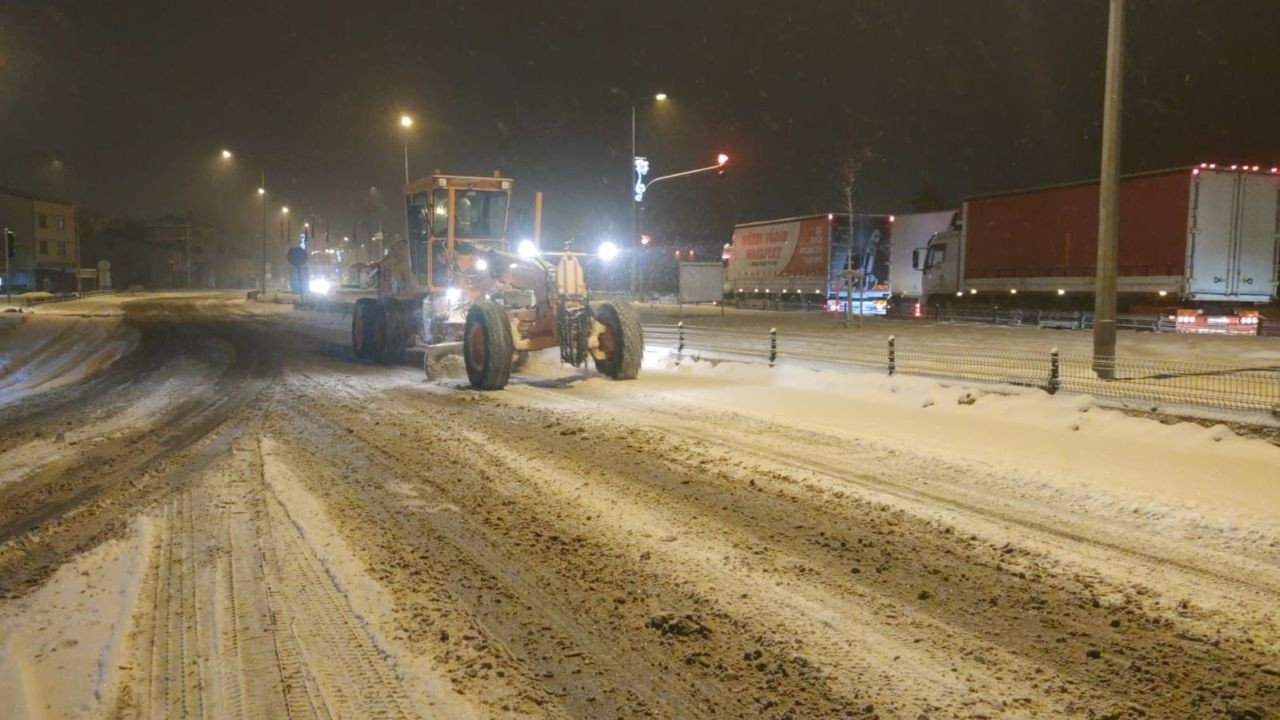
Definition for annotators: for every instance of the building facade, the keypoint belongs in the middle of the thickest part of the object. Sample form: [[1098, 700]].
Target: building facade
[[45, 253], [186, 254]]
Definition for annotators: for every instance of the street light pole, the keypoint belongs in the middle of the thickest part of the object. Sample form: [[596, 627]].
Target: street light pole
[[633, 178], [262, 193], [406, 122], [1104, 307]]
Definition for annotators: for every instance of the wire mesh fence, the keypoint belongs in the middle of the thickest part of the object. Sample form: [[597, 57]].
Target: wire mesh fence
[[1232, 387]]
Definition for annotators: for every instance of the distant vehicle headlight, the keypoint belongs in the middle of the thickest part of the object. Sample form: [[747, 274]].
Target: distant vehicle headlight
[[527, 249], [607, 251], [319, 286], [482, 264]]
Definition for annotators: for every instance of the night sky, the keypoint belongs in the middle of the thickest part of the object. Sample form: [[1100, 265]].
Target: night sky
[[135, 100]]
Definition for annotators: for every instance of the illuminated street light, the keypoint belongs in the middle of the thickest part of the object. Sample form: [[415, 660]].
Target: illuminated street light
[[608, 250], [406, 122], [721, 159], [527, 249], [638, 184], [262, 191], [226, 154]]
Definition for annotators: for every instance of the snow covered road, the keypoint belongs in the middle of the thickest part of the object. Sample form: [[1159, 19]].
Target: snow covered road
[[234, 519]]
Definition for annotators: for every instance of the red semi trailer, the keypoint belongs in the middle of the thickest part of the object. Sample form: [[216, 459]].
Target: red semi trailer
[[1203, 237]]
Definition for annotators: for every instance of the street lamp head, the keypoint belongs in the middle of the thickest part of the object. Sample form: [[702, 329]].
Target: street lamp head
[[406, 121], [285, 209], [722, 159], [262, 191], [660, 97], [226, 154]]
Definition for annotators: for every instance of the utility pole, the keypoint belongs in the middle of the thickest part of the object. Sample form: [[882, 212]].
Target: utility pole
[[9, 239], [635, 209], [79, 286], [186, 231], [1104, 296]]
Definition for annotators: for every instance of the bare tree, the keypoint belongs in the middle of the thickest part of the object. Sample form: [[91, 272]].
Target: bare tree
[[849, 175]]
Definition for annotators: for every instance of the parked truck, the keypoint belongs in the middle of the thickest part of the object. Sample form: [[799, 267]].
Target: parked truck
[[1201, 238], [456, 285], [812, 259]]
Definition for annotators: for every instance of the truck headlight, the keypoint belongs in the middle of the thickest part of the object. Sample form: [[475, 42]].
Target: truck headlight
[[453, 294]]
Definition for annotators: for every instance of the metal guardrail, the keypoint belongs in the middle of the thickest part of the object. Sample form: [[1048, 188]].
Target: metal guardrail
[[1253, 388]]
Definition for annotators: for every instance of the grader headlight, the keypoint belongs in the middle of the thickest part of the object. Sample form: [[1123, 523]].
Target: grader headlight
[[608, 250]]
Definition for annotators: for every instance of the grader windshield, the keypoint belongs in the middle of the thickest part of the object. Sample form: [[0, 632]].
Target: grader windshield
[[480, 214], [479, 219]]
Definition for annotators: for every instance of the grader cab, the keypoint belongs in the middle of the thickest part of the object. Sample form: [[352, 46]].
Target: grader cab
[[454, 285]]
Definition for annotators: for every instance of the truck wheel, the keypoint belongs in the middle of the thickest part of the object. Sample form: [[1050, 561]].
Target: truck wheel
[[362, 328], [486, 346], [389, 331], [622, 341]]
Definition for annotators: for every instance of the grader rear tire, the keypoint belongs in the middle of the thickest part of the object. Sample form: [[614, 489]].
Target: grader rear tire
[[390, 330], [622, 340], [362, 341], [486, 346]]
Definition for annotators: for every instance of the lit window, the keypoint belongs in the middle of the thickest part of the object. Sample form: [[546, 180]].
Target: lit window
[[61, 222]]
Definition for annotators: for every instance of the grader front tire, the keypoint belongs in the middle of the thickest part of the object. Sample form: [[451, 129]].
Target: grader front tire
[[487, 346], [622, 341]]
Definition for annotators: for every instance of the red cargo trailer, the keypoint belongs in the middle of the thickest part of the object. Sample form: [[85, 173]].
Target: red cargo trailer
[[1202, 235]]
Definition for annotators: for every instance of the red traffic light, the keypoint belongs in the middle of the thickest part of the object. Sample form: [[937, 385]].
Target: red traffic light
[[721, 159]]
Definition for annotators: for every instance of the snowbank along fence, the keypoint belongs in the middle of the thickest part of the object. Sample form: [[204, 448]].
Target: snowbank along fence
[[1250, 388]]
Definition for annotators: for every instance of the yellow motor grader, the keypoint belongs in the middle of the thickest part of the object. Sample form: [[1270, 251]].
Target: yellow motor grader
[[455, 285]]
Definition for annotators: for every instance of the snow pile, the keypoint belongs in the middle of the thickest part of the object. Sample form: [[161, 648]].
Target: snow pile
[[1100, 456], [48, 352]]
